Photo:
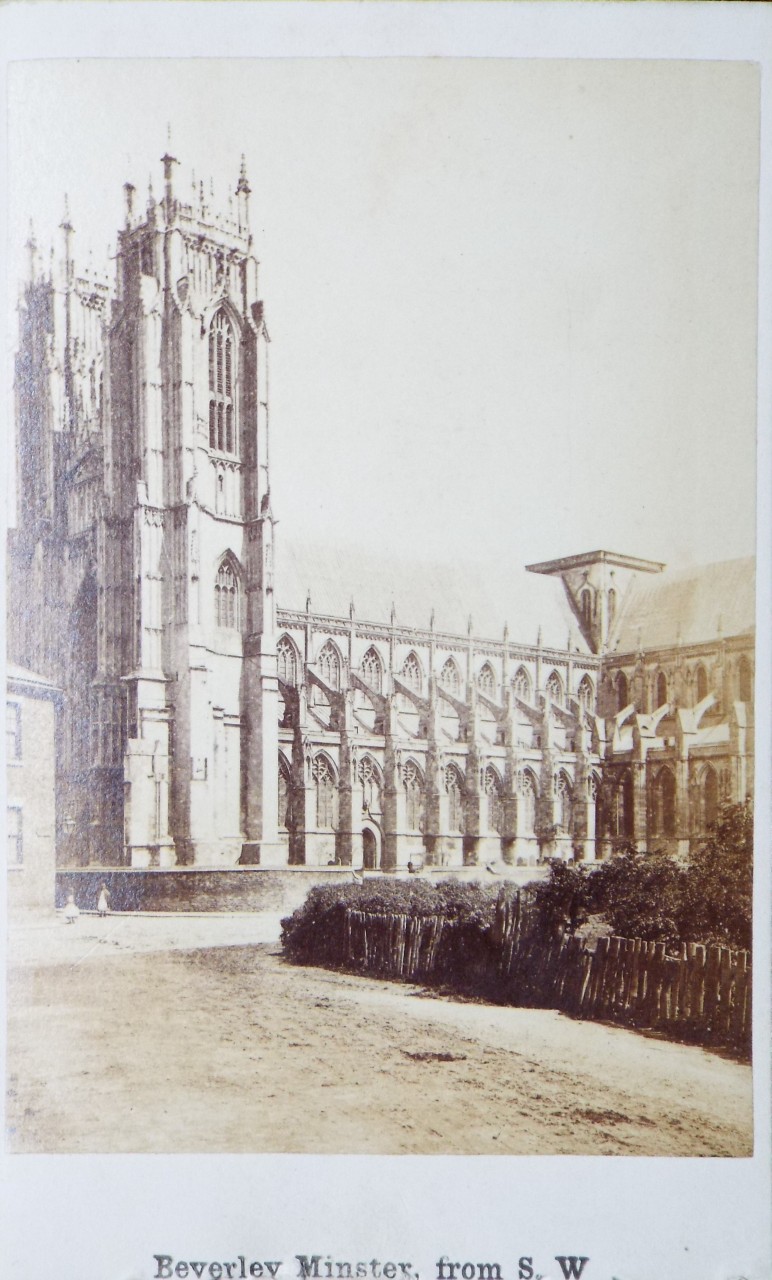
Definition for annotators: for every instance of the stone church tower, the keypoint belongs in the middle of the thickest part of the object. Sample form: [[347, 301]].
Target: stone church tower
[[144, 546], [206, 724]]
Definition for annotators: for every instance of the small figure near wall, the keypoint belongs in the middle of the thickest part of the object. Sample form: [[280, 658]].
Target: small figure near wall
[[103, 904], [71, 911]]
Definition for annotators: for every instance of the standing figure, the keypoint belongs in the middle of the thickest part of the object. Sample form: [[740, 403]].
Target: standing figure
[[71, 912], [103, 905]]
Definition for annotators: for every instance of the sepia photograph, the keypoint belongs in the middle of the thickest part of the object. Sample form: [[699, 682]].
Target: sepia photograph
[[381, 606]]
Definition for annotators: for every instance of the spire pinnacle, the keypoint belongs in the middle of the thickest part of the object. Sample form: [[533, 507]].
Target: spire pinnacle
[[65, 223], [242, 186]]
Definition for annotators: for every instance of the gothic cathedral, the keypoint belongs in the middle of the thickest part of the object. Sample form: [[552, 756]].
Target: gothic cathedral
[[226, 701]]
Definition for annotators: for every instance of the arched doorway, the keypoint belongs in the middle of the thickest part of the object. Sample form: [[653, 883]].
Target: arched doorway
[[370, 851]]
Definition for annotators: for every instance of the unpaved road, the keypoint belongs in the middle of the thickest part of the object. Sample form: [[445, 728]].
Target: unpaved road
[[191, 1034]]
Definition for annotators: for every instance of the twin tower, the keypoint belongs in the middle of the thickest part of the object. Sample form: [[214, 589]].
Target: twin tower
[[141, 566]]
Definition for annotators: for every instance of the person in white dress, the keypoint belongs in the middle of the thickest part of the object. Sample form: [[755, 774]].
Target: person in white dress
[[71, 912]]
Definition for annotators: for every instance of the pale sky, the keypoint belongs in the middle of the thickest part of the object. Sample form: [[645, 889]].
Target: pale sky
[[512, 303]]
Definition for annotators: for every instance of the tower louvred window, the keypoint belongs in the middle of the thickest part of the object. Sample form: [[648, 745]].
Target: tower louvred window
[[226, 597], [222, 418]]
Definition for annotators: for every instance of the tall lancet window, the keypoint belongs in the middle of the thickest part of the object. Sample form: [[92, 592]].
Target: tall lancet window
[[226, 597], [222, 360]]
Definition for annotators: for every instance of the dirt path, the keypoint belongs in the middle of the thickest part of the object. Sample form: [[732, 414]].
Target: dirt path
[[192, 1035]]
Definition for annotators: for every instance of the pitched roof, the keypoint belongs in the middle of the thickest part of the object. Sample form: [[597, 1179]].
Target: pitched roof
[[494, 594], [698, 604]]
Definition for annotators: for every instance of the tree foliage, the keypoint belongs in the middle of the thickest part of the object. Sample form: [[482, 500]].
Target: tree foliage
[[707, 898]]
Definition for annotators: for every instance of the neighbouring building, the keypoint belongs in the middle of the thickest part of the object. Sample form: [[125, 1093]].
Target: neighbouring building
[[31, 710], [231, 696]]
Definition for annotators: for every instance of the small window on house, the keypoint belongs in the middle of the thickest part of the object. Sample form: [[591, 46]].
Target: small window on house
[[13, 731], [15, 846]]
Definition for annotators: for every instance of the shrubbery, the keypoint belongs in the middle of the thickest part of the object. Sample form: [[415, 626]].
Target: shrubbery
[[312, 933], [708, 898]]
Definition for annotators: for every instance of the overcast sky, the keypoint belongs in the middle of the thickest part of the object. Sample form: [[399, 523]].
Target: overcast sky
[[512, 304]]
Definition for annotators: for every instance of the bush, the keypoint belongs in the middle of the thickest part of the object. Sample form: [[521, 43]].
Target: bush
[[708, 898], [314, 933]]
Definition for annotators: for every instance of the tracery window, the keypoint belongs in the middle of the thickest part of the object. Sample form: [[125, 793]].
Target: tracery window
[[555, 688], [286, 659], [492, 789], [329, 665], [226, 597], [285, 795], [621, 816], [367, 773], [413, 783], [521, 684], [623, 693], [709, 796], [222, 434], [700, 684], [411, 673], [453, 790], [372, 670], [664, 803], [564, 803], [662, 697], [486, 681], [586, 693], [325, 792], [450, 678], [526, 803]]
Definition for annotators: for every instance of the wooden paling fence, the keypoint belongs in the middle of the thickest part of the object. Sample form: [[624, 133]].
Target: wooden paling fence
[[704, 993]]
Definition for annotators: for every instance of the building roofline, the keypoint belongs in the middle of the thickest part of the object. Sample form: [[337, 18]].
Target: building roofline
[[596, 557], [19, 679]]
